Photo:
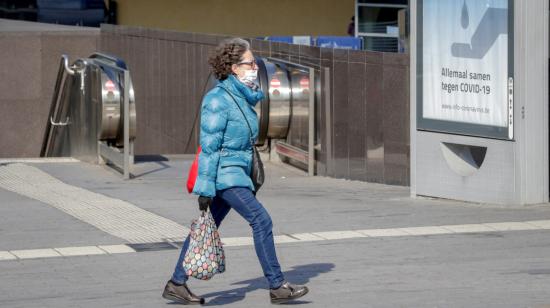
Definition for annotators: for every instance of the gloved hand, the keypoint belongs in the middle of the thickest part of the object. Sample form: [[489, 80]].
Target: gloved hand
[[204, 203]]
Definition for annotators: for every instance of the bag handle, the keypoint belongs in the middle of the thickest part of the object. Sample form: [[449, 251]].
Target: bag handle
[[245, 119]]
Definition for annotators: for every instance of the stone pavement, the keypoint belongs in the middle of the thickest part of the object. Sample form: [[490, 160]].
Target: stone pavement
[[355, 244]]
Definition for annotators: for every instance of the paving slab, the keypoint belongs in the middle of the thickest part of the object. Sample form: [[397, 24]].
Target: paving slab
[[80, 251], [35, 253], [6, 255]]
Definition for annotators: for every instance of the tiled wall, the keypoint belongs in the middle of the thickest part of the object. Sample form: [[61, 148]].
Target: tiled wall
[[367, 123]]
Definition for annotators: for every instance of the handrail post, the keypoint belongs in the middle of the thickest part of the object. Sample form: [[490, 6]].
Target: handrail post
[[328, 122], [311, 129], [126, 125]]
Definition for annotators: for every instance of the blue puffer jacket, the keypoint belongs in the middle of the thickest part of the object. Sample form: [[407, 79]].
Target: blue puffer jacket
[[226, 157]]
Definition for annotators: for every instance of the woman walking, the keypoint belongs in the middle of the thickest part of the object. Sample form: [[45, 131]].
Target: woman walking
[[225, 164]]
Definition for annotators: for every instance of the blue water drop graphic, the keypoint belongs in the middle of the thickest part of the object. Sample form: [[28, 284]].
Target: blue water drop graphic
[[465, 17]]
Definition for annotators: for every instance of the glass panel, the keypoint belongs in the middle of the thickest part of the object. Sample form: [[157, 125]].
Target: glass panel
[[392, 2], [383, 44], [378, 20]]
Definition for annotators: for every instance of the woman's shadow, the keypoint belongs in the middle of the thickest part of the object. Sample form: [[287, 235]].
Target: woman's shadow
[[300, 274]]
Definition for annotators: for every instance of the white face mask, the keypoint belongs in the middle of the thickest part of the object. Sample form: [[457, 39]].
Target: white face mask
[[249, 77]]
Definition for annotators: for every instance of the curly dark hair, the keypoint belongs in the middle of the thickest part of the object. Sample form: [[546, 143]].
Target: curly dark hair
[[227, 53]]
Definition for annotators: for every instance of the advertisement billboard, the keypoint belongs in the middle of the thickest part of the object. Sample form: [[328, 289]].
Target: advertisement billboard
[[465, 67]]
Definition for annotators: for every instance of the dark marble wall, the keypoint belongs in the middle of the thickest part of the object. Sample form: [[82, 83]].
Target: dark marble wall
[[362, 117], [29, 61], [368, 116], [169, 70]]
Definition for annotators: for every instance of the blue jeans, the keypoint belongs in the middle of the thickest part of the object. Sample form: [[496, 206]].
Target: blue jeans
[[245, 203]]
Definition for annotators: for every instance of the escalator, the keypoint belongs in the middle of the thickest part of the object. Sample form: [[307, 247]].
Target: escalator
[[92, 116]]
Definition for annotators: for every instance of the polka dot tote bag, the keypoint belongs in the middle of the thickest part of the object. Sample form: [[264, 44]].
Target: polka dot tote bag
[[205, 257]]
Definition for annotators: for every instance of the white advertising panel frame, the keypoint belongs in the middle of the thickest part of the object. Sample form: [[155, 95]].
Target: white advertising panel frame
[[464, 86]]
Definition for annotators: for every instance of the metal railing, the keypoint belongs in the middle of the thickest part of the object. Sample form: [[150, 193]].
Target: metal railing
[[55, 108]]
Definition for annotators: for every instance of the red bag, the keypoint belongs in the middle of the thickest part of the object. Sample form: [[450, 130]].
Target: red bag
[[193, 172]]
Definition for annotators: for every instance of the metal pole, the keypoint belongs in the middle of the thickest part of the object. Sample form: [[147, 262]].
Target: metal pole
[[126, 125], [311, 134], [328, 115]]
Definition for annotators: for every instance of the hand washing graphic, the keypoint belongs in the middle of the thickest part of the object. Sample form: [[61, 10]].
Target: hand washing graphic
[[493, 24], [465, 17]]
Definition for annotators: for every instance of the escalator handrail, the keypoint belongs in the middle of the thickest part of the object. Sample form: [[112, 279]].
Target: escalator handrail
[[110, 59], [64, 68], [65, 61]]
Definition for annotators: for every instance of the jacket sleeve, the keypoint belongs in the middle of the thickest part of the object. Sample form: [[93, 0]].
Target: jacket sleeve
[[213, 122]]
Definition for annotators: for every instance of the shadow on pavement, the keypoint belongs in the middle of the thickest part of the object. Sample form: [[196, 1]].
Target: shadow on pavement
[[300, 274], [162, 165], [149, 158]]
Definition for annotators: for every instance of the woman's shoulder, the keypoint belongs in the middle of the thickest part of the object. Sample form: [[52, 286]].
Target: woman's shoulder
[[215, 99]]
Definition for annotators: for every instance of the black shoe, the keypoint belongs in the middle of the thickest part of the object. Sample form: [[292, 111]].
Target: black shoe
[[287, 292], [181, 293]]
